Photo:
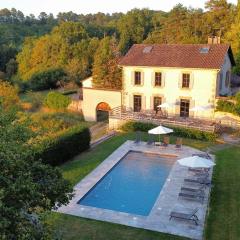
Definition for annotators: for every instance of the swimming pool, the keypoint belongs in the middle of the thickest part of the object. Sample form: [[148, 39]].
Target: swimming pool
[[132, 185]]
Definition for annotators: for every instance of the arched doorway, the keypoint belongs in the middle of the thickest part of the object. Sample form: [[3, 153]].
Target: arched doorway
[[102, 111]]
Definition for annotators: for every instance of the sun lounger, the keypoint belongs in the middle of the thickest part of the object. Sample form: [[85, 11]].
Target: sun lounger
[[199, 173], [204, 180], [195, 196], [189, 214], [199, 170], [190, 189]]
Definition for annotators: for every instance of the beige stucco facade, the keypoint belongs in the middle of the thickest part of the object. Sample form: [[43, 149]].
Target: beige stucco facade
[[205, 85], [203, 89], [92, 97]]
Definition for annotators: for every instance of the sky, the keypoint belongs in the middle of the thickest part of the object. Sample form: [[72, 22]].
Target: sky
[[93, 6]]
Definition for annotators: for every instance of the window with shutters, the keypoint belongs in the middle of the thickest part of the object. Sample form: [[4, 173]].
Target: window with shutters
[[137, 78], [158, 79], [185, 80], [156, 102], [137, 103], [184, 107]]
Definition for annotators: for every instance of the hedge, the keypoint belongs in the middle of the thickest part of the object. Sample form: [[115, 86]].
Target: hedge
[[56, 101], [180, 132], [69, 92], [59, 149]]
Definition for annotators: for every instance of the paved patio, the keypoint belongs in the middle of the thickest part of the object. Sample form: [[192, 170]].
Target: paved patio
[[158, 219]]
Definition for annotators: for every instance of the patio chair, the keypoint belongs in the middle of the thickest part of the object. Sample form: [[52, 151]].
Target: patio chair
[[189, 215], [195, 196], [138, 137], [179, 143], [202, 180], [199, 170], [150, 139], [165, 141]]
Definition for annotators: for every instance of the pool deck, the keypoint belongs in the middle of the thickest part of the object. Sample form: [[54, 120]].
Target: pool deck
[[158, 219]]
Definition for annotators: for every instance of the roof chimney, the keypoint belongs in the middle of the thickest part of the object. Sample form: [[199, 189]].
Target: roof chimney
[[214, 40]]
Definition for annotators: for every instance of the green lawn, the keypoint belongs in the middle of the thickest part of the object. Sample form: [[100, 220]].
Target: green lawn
[[224, 219], [222, 223]]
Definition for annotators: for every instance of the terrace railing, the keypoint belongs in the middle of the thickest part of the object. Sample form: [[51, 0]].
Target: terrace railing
[[124, 113]]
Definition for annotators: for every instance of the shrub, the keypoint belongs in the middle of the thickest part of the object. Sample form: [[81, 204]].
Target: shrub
[[137, 126], [36, 99], [8, 95], [47, 79], [180, 132], [69, 92], [56, 101], [226, 106], [61, 148]]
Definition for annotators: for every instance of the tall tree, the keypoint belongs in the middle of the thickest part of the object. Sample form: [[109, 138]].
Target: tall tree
[[182, 25], [106, 73], [219, 17], [134, 28], [233, 35]]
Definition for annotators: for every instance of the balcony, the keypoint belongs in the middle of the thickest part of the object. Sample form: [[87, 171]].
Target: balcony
[[150, 116]]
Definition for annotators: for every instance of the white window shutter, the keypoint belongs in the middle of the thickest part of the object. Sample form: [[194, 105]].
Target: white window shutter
[[163, 79], [142, 78], [151, 102], [132, 77], [144, 102], [191, 80], [177, 107], [153, 79], [131, 101], [180, 80], [192, 105]]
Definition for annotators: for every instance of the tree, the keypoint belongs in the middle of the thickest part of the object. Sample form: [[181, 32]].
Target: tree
[[106, 73], [236, 69], [6, 54], [233, 35], [219, 17], [28, 188], [8, 95], [182, 25], [11, 68], [134, 28], [67, 47]]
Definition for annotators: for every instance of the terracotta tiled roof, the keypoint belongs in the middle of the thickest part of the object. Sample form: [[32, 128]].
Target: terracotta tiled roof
[[177, 55]]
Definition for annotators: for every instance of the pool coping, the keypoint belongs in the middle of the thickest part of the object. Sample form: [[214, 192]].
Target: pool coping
[[158, 219]]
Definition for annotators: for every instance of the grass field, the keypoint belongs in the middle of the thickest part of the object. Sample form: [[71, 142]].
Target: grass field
[[222, 223]]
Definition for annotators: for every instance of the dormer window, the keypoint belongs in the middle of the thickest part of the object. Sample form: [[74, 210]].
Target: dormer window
[[137, 78], [158, 79], [185, 80]]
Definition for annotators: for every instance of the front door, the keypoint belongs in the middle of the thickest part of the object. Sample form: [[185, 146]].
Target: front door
[[156, 102], [184, 108], [137, 103]]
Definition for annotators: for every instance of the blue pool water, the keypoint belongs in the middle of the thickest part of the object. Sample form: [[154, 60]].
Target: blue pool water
[[132, 185]]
